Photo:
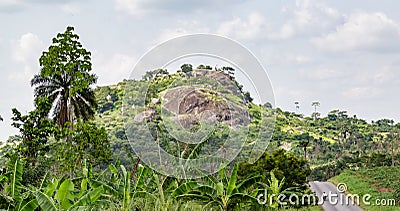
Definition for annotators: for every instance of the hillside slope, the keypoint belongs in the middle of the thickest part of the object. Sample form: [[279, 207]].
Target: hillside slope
[[330, 144]]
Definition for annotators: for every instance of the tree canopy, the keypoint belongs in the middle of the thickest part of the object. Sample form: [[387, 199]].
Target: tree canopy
[[65, 78]]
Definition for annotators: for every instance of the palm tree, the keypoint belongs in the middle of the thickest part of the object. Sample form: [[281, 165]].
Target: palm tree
[[297, 104], [315, 104], [65, 106], [392, 139], [65, 79], [304, 144], [316, 114]]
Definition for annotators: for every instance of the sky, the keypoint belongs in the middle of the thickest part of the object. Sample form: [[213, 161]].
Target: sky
[[343, 54]]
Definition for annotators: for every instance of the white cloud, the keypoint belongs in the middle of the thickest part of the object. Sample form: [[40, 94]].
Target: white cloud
[[113, 70], [27, 47], [170, 33], [362, 31], [359, 93], [10, 5], [312, 12], [143, 7], [284, 32], [382, 76], [385, 75], [302, 59], [27, 52], [249, 28], [308, 17], [133, 7], [71, 8], [320, 73], [273, 56], [184, 27]]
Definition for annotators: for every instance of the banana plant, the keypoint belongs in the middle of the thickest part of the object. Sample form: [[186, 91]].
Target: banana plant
[[16, 195], [119, 191], [147, 190], [165, 192], [225, 193], [63, 196], [274, 189]]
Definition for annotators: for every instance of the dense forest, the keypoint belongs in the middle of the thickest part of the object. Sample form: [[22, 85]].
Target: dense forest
[[78, 148]]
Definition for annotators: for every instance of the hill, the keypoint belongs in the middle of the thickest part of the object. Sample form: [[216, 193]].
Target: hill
[[181, 99], [331, 144]]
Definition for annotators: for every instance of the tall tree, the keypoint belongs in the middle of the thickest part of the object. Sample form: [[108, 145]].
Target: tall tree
[[65, 79], [315, 104], [316, 114], [297, 105], [304, 141], [392, 138], [304, 144]]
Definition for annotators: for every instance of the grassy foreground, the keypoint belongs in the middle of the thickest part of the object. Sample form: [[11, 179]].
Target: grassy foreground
[[379, 182]]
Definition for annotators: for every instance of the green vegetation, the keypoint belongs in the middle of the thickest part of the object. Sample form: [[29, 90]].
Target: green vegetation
[[337, 142], [381, 183], [80, 157], [65, 79]]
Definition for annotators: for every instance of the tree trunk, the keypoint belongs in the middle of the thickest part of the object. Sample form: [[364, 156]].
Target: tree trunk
[[393, 151], [134, 168]]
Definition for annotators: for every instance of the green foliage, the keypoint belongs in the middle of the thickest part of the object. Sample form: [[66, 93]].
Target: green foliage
[[331, 144], [225, 192], [153, 74], [186, 68], [204, 67], [8, 148], [117, 186], [282, 164], [274, 189], [65, 79], [15, 186], [147, 191], [337, 142], [106, 97], [87, 143], [379, 182], [33, 175], [45, 202], [35, 129], [63, 196], [14, 194]]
